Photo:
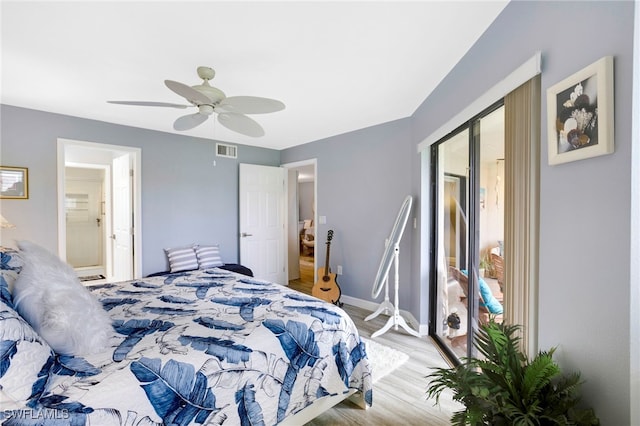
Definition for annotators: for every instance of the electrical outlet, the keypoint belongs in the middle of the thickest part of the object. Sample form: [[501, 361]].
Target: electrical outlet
[[339, 271]]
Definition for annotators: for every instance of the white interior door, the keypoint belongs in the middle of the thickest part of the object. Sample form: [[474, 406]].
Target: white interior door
[[262, 230], [83, 202], [122, 237]]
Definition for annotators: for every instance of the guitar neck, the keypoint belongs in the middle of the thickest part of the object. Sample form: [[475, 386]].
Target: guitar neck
[[326, 265]]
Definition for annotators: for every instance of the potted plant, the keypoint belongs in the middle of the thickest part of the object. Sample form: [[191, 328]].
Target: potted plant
[[503, 387], [487, 266]]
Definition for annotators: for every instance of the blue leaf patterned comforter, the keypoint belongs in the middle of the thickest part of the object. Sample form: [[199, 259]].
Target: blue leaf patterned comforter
[[207, 347]]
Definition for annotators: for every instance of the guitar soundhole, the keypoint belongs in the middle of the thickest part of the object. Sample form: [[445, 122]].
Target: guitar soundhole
[[326, 278]]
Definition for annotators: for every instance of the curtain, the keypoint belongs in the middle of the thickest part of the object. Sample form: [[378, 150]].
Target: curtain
[[522, 169]]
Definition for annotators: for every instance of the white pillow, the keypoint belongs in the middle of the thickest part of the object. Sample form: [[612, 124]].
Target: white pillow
[[181, 258], [49, 295], [208, 256]]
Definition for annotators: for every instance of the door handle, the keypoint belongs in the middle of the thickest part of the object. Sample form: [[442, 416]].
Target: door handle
[[244, 234]]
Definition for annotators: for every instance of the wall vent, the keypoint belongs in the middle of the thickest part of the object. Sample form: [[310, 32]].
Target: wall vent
[[228, 151]]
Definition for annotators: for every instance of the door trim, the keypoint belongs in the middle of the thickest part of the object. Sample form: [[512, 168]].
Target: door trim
[[63, 147]]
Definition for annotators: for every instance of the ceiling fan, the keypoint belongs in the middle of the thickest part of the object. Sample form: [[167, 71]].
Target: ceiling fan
[[208, 99]]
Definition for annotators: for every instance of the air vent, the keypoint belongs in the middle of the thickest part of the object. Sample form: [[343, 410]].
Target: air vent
[[228, 151]]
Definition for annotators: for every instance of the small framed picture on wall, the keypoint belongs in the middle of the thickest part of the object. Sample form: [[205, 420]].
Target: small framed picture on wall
[[580, 114], [14, 182]]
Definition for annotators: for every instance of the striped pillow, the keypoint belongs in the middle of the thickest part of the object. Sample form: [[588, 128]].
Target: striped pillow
[[208, 256], [182, 258]]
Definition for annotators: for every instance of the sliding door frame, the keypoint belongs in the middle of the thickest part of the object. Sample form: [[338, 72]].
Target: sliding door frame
[[472, 257]]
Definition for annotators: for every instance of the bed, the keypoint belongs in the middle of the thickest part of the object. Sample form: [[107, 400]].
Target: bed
[[209, 346]]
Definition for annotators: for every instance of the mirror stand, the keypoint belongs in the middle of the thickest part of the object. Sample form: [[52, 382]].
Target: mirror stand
[[395, 319]]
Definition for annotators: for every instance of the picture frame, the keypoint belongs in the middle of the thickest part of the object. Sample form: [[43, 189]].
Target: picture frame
[[14, 183], [580, 114]]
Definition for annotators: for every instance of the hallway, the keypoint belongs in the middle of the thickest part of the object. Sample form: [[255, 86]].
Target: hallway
[[305, 282]]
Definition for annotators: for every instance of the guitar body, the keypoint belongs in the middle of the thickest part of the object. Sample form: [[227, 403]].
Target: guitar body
[[327, 288]]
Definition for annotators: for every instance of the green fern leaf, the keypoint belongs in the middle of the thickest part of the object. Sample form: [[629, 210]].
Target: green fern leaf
[[538, 375]]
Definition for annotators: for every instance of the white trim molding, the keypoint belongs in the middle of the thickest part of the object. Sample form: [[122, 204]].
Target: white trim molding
[[522, 74], [634, 263]]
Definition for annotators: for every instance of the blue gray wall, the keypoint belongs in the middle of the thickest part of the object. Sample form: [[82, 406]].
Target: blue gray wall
[[362, 179], [185, 199], [584, 271], [305, 200], [584, 286]]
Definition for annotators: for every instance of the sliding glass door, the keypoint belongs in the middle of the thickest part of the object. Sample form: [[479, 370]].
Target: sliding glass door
[[467, 181]]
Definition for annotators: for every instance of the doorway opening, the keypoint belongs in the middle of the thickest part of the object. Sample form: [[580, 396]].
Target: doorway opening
[[85, 217], [301, 221], [99, 210]]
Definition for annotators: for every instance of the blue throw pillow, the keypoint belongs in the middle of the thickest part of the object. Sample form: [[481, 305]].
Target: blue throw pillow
[[25, 359], [11, 264], [492, 304], [488, 300]]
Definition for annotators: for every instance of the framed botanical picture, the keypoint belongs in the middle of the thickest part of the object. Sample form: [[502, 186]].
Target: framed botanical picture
[[14, 182], [580, 114]]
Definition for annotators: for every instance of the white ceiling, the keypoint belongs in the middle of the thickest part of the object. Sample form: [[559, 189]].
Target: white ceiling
[[338, 66]]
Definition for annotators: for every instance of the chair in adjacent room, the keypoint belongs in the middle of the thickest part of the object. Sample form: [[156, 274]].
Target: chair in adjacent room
[[308, 239], [488, 304], [498, 267]]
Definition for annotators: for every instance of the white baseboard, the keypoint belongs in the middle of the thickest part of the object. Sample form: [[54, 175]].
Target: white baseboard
[[90, 270], [422, 329]]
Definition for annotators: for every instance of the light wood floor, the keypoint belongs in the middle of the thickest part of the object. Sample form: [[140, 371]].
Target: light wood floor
[[400, 397]]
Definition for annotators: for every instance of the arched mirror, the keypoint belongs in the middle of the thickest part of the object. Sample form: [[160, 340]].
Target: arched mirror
[[391, 255]]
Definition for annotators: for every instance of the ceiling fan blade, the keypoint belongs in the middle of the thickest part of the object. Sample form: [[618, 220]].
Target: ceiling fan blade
[[189, 121], [150, 103], [250, 105], [187, 92], [241, 123]]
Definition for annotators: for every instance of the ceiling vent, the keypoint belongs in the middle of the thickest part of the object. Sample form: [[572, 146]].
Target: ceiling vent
[[228, 151]]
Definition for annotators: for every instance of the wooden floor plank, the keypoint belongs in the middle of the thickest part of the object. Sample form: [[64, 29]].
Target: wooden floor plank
[[400, 397]]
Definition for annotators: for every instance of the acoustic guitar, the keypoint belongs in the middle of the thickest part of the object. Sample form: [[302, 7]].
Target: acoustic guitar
[[327, 288]]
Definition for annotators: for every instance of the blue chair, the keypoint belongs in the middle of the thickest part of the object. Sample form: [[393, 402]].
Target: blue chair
[[488, 304]]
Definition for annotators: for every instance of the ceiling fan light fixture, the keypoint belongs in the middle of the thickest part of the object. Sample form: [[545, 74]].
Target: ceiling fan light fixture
[[205, 109]]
